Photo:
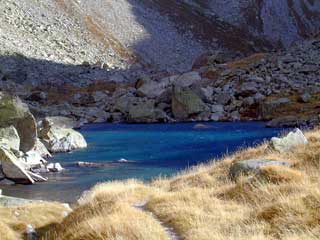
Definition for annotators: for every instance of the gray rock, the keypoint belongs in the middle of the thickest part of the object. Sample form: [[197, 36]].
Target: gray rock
[[119, 92], [9, 137], [218, 116], [207, 93], [258, 97], [217, 108], [96, 115], [165, 96], [124, 103], [248, 89], [224, 98], [16, 113], [252, 166], [13, 169], [54, 167], [288, 142], [37, 177], [57, 139], [185, 103], [42, 150], [235, 116], [187, 79], [152, 89], [249, 101], [32, 159], [99, 96], [145, 112]]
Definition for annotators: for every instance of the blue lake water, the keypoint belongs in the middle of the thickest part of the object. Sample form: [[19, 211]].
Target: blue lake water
[[152, 150]]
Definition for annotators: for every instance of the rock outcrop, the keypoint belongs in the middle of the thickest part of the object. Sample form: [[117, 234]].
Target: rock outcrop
[[186, 103], [58, 139], [15, 112], [145, 112], [288, 142], [22, 153], [9, 137], [13, 169]]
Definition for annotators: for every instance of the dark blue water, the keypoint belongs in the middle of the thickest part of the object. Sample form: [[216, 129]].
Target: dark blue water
[[151, 150]]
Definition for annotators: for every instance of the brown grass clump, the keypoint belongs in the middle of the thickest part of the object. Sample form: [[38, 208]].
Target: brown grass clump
[[14, 220], [115, 220], [108, 212], [279, 174], [7, 233]]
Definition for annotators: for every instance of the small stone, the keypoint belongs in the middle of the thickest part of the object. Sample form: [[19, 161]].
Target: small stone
[[55, 167], [253, 166], [217, 108]]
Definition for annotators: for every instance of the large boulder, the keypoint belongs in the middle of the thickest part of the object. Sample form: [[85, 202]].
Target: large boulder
[[63, 140], [186, 103], [252, 166], [145, 112], [187, 79], [14, 112], [152, 89], [57, 139], [42, 150], [13, 169], [287, 143], [124, 103], [9, 137], [32, 159]]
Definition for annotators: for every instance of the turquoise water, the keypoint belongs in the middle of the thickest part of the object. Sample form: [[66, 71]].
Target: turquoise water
[[151, 150]]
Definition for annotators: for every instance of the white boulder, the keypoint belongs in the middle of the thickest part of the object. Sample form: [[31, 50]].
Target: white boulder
[[287, 143], [10, 137], [13, 169]]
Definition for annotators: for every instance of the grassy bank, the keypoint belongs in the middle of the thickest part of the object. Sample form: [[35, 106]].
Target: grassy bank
[[203, 203]]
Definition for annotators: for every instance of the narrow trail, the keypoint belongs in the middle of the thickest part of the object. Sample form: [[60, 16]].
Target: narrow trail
[[172, 235]]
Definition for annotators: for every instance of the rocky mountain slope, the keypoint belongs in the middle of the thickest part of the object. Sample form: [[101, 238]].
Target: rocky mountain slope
[[159, 61], [168, 35], [279, 21]]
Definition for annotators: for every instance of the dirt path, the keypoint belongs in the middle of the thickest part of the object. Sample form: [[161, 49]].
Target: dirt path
[[172, 235]]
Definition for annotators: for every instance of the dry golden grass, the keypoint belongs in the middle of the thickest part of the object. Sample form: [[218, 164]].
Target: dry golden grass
[[204, 204], [14, 220], [107, 212]]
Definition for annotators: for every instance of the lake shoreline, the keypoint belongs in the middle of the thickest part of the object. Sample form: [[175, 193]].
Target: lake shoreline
[[197, 141]]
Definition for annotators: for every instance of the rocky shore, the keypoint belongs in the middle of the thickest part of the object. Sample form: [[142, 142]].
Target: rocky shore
[[280, 87], [26, 143]]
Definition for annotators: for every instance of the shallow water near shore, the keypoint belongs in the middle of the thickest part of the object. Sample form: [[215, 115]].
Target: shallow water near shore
[[145, 151]]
